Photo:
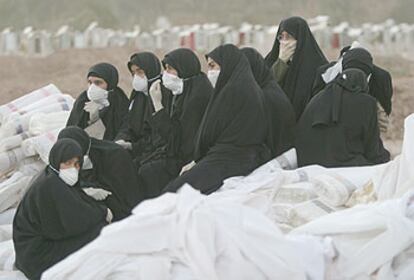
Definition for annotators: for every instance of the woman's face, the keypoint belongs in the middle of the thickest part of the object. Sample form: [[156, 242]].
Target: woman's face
[[212, 65], [170, 70], [73, 162], [135, 70], [284, 36], [99, 82]]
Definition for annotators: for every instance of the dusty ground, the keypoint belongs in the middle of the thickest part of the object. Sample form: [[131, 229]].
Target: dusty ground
[[67, 70]]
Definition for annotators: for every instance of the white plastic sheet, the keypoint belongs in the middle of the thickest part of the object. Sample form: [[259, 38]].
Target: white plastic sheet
[[42, 123], [212, 238], [366, 237], [27, 99], [40, 145]]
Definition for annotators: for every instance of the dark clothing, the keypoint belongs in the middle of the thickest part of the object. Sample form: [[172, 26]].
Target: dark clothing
[[176, 125], [380, 83], [232, 134], [305, 61], [113, 170], [111, 116], [53, 220], [279, 111], [339, 126], [135, 128]]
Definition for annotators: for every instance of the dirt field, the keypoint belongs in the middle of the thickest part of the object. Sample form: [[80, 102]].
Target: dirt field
[[67, 70]]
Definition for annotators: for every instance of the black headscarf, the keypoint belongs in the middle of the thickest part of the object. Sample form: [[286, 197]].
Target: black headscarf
[[184, 61], [64, 150], [280, 115], [141, 108], [148, 62], [352, 80], [105, 71], [380, 83], [113, 115], [113, 170], [339, 126], [54, 220], [235, 114], [179, 123], [305, 61]]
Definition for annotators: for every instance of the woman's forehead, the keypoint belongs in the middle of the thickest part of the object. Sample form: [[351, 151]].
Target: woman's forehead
[[93, 79]]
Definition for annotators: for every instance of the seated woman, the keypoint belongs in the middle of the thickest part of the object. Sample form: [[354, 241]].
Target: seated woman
[[56, 218], [102, 108], [294, 58], [135, 134], [279, 112], [339, 126], [232, 135], [380, 81], [176, 126], [109, 167]]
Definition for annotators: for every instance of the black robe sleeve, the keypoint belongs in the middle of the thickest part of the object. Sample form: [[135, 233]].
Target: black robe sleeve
[[179, 130], [114, 115], [375, 152], [64, 214], [79, 117]]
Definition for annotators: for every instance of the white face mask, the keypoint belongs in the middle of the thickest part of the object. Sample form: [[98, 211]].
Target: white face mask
[[140, 84], [69, 175], [173, 83], [213, 75], [98, 95]]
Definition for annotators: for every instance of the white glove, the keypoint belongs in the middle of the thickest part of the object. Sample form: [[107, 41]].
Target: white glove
[[109, 216], [286, 50], [156, 96], [93, 109], [187, 167], [124, 144], [96, 193]]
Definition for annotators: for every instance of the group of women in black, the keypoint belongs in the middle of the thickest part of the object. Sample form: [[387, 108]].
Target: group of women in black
[[182, 126]]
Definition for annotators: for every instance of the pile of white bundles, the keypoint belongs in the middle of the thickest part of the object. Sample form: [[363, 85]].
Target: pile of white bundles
[[279, 222], [28, 129]]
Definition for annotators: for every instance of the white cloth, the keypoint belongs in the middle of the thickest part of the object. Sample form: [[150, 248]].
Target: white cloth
[[366, 237], [199, 236], [395, 178], [333, 189], [40, 145], [330, 74], [43, 122], [27, 99], [21, 123]]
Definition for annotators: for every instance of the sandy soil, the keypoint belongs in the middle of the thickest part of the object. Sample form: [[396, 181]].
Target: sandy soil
[[67, 70]]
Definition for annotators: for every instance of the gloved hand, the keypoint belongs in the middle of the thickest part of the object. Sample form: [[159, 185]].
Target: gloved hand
[[187, 167], [109, 216], [93, 109], [286, 50], [96, 193], [156, 96], [124, 144]]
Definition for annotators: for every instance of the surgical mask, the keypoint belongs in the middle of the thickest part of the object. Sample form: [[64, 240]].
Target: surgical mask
[[140, 84], [69, 175], [213, 75], [173, 83], [98, 95]]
